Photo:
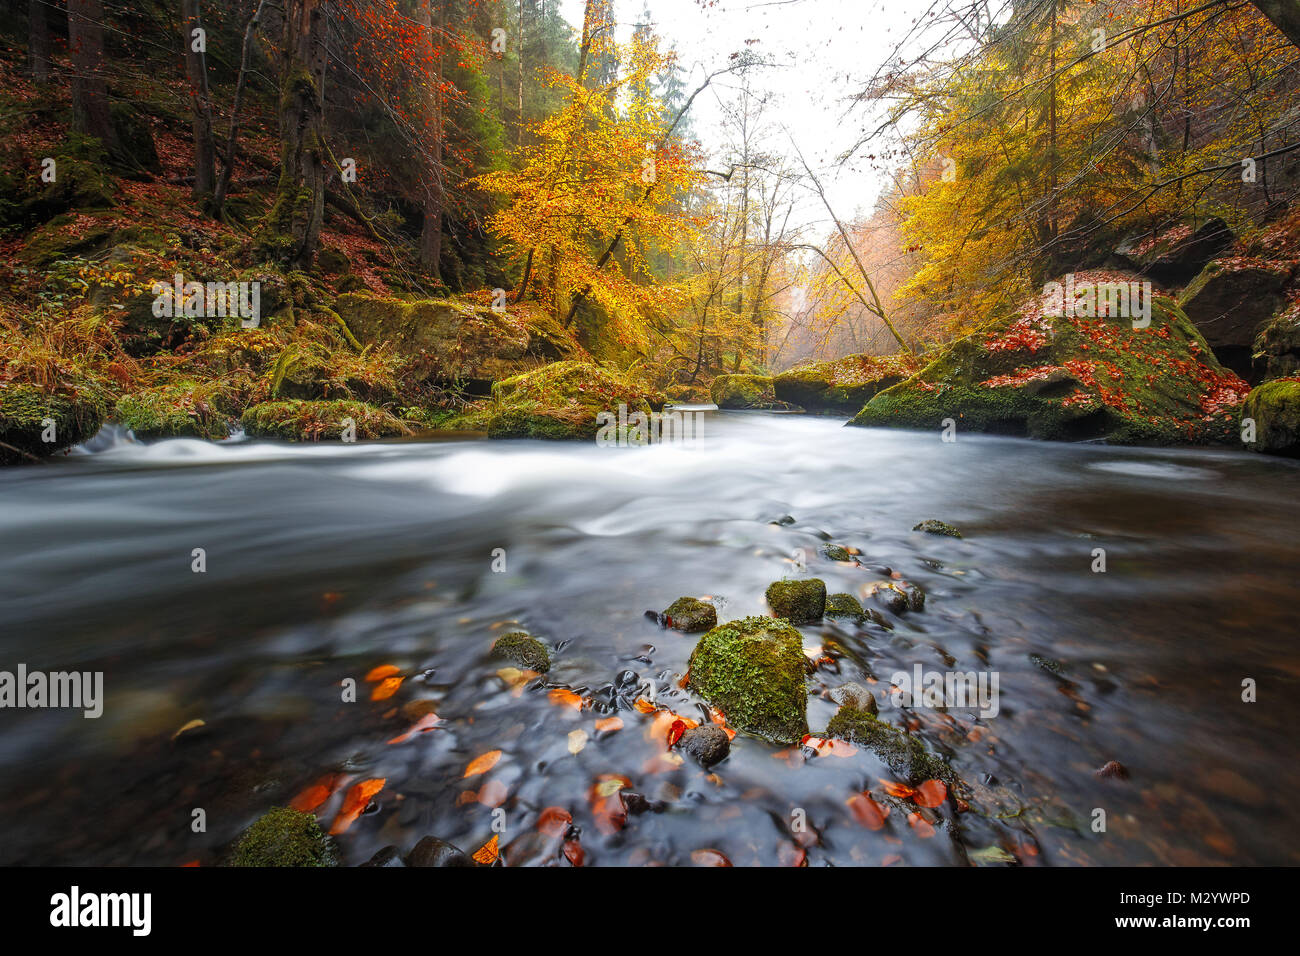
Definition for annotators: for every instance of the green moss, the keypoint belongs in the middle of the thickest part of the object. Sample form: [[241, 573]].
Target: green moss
[[691, 615], [934, 526], [842, 386], [742, 391], [833, 552], [313, 421], [185, 408], [843, 606], [753, 669], [799, 602], [904, 754], [563, 400], [24, 409], [520, 647], [1275, 408], [284, 837]]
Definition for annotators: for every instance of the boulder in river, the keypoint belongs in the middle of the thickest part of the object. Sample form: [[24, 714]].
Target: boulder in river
[[521, 648], [935, 526], [753, 670], [841, 386], [182, 409], [743, 391], [903, 753], [844, 607], [799, 602], [284, 837], [566, 400], [707, 743], [834, 552], [1042, 372], [433, 851], [1275, 409], [30, 414], [340, 420], [690, 615]]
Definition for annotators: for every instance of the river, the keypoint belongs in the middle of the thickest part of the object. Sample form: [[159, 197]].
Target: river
[[324, 562]]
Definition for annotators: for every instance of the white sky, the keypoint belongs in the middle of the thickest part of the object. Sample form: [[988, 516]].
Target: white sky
[[824, 50]]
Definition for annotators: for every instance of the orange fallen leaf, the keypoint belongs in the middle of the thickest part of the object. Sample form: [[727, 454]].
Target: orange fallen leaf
[[427, 722], [493, 793], [355, 802], [644, 706], [562, 697], [932, 793], [317, 793], [866, 811], [386, 688], [830, 746], [709, 858], [488, 852], [891, 860], [900, 790], [482, 764], [675, 732], [609, 724], [922, 826], [573, 852], [554, 821], [382, 671]]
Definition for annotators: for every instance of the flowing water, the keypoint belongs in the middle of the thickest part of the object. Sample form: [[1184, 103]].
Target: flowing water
[[323, 563]]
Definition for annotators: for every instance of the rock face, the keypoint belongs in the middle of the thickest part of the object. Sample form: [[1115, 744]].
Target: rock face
[[1174, 256], [284, 837], [842, 386], [753, 669], [1231, 302], [1073, 377], [459, 342], [799, 602], [29, 414], [1275, 408], [520, 647], [743, 391], [564, 400], [1277, 345]]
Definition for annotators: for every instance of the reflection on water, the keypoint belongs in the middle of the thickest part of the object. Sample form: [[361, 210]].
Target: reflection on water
[[325, 562]]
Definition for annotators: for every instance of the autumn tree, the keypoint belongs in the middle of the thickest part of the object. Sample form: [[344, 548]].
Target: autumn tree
[[194, 38]]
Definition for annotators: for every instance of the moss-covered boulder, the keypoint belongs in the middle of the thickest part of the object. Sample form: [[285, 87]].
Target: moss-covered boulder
[[29, 415], [799, 602], [904, 754], [1275, 409], [845, 608], [690, 615], [1175, 254], [317, 421], [842, 386], [743, 391], [183, 409], [835, 552], [521, 648], [564, 400], [935, 526], [459, 341], [1060, 377], [284, 837], [1277, 345], [753, 670], [1231, 302]]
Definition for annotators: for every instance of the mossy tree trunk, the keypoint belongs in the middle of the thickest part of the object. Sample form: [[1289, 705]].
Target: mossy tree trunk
[[292, 229], [90, 114], [38, 47], [196, 71]]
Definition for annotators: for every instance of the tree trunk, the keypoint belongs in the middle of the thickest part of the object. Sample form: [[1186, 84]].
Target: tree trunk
[[431, 233], [196, 70], [38, 48], [232, 138], [1285, 15], [294, 222], [519, 123], [90, 114]]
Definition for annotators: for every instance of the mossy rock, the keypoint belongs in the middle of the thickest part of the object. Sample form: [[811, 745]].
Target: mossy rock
[[842, 386], [134, 149], [183, 409], [24, 409], [66, 237], [331, 260], [1231, 301], [799, 602], [691, 615], [935, 526], [844, 607], [314, 421], [1275, 408], [904, 754], [833, 552], [1073, 378], [284, 837], [743, 391], [520, 647], [753, 670], [564, 400], [1277, 346]]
